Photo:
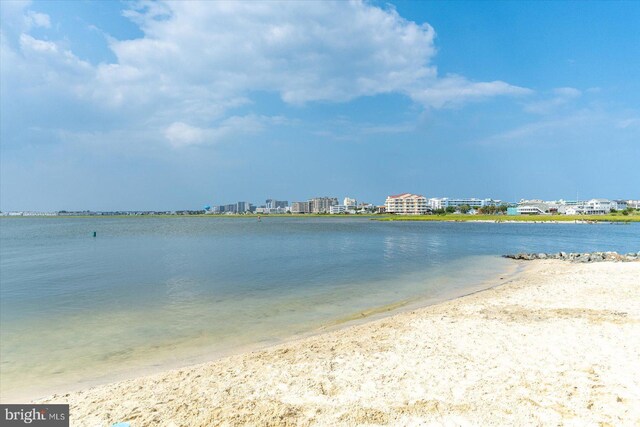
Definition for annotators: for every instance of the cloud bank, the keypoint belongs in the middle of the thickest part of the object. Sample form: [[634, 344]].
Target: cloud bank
[[198, 61]]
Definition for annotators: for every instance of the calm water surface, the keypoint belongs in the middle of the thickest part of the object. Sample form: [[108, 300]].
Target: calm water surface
[[148, 293]]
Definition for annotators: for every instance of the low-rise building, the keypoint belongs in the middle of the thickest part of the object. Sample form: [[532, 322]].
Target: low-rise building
[[590, 207], [512, 210], [597, 207], [445, 202], [367, 208], [267, 211], [619, 205], [406, 204], [536, 207], [573, 210], [531, 210], [337, 209]]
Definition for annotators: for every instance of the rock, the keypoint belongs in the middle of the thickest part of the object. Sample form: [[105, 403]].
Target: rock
[[578, 257]]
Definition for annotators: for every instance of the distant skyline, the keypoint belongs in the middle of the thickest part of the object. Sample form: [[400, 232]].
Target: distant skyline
[[163, 106]]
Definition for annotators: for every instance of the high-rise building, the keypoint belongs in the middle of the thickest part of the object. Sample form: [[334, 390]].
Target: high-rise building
[[350, 203], [301, 207], [274, 204], [242, 207], [322, 204], [406, 204]]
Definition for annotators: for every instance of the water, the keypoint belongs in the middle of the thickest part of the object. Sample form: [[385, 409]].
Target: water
[[148, 293]]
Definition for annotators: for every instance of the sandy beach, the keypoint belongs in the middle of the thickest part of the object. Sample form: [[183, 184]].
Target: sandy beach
[[558, 344]]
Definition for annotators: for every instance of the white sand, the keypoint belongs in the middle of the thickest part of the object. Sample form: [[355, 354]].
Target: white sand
[[559, 344]]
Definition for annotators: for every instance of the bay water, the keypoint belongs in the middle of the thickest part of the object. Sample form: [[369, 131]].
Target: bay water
[[149, 293]]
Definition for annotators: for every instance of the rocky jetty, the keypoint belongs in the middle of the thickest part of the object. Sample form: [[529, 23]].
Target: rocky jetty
[[579, 257]]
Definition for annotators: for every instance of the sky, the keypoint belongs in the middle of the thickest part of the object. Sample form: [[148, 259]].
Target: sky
[[159, 105]]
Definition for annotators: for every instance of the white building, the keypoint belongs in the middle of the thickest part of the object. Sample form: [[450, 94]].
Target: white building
[[573, 210], [597, 207], [531, 210], [538, 207], [367, 208], [322, 204], [350, 203], [473, 202], [591, 207], [619, 205], [570, 202], [445, 202], [272, 210], [436, 203], [337, 209], [406, 204]]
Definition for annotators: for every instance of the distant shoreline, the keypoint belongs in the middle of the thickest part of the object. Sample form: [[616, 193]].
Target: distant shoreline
[[580, 219], [570, 219]]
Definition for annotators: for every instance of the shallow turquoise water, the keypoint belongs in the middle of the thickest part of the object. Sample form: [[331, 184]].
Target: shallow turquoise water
[[154, 292]]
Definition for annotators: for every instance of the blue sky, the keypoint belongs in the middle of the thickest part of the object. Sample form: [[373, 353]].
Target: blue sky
[[154, 105]]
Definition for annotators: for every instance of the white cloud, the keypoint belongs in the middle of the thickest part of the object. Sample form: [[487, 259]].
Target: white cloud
[[560, 97], [28, 43], [573, 128], [567, 92], [35, 19], [197, 61], [304, 51], [628, 122], [455, 90], [181, 134], [14, 18]]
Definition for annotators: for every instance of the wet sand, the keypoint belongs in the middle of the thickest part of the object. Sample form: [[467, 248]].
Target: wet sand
[[558, 344]]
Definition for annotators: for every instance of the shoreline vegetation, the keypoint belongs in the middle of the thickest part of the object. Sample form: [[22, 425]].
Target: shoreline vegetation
[[514, 218], [582, 219], [555, 343]]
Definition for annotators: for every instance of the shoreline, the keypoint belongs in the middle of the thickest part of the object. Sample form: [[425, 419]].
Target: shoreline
[[502, 275], [508, 354], [516, 219]]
